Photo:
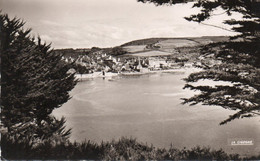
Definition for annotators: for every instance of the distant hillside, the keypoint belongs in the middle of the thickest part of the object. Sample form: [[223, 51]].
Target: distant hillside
[[168, 46], [145, 45], [144, 41], [156, 40]]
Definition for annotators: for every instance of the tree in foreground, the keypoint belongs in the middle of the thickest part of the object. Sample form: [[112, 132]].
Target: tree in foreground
[[239, 58], [34, 82]]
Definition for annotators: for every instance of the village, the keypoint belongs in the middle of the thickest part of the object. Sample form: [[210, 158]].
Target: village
[[101, 64]]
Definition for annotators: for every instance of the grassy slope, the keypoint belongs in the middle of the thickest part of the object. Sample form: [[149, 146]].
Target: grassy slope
[[123, 149], [69, 52], [155, 40], [168, 45]]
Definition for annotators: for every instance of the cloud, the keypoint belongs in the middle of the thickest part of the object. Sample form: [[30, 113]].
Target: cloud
[[106, 23]]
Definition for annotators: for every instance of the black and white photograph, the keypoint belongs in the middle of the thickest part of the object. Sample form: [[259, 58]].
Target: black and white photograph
[[130, 79]]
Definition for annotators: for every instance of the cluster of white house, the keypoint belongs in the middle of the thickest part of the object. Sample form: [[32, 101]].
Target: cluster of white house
[[100, 61]]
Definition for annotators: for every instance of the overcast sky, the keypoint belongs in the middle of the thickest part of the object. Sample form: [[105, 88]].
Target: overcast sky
[[105, 23]]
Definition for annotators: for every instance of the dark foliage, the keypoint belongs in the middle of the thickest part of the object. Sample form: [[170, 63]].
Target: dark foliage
[[117, 51], [34, 81], [239, 61], [80, 69], [165, 2], [123, 149], [235, 61]]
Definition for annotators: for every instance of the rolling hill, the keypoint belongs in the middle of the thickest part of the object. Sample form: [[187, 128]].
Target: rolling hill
[[149, 45]]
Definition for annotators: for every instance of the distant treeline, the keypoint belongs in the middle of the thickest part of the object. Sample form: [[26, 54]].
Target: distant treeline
[[75, 53]]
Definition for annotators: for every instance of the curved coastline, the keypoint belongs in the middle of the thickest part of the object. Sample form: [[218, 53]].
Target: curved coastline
[[85, 77]]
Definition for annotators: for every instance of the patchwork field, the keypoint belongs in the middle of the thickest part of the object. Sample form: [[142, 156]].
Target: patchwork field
[[134, 48], [167, 46], [174, 43], [151, 53], [204, 41], [169, 50]]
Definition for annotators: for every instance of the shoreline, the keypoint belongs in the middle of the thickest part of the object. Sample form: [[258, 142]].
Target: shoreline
[[86, 77]]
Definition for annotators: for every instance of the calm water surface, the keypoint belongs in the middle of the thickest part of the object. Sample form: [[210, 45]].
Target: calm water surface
[[149, 108]]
